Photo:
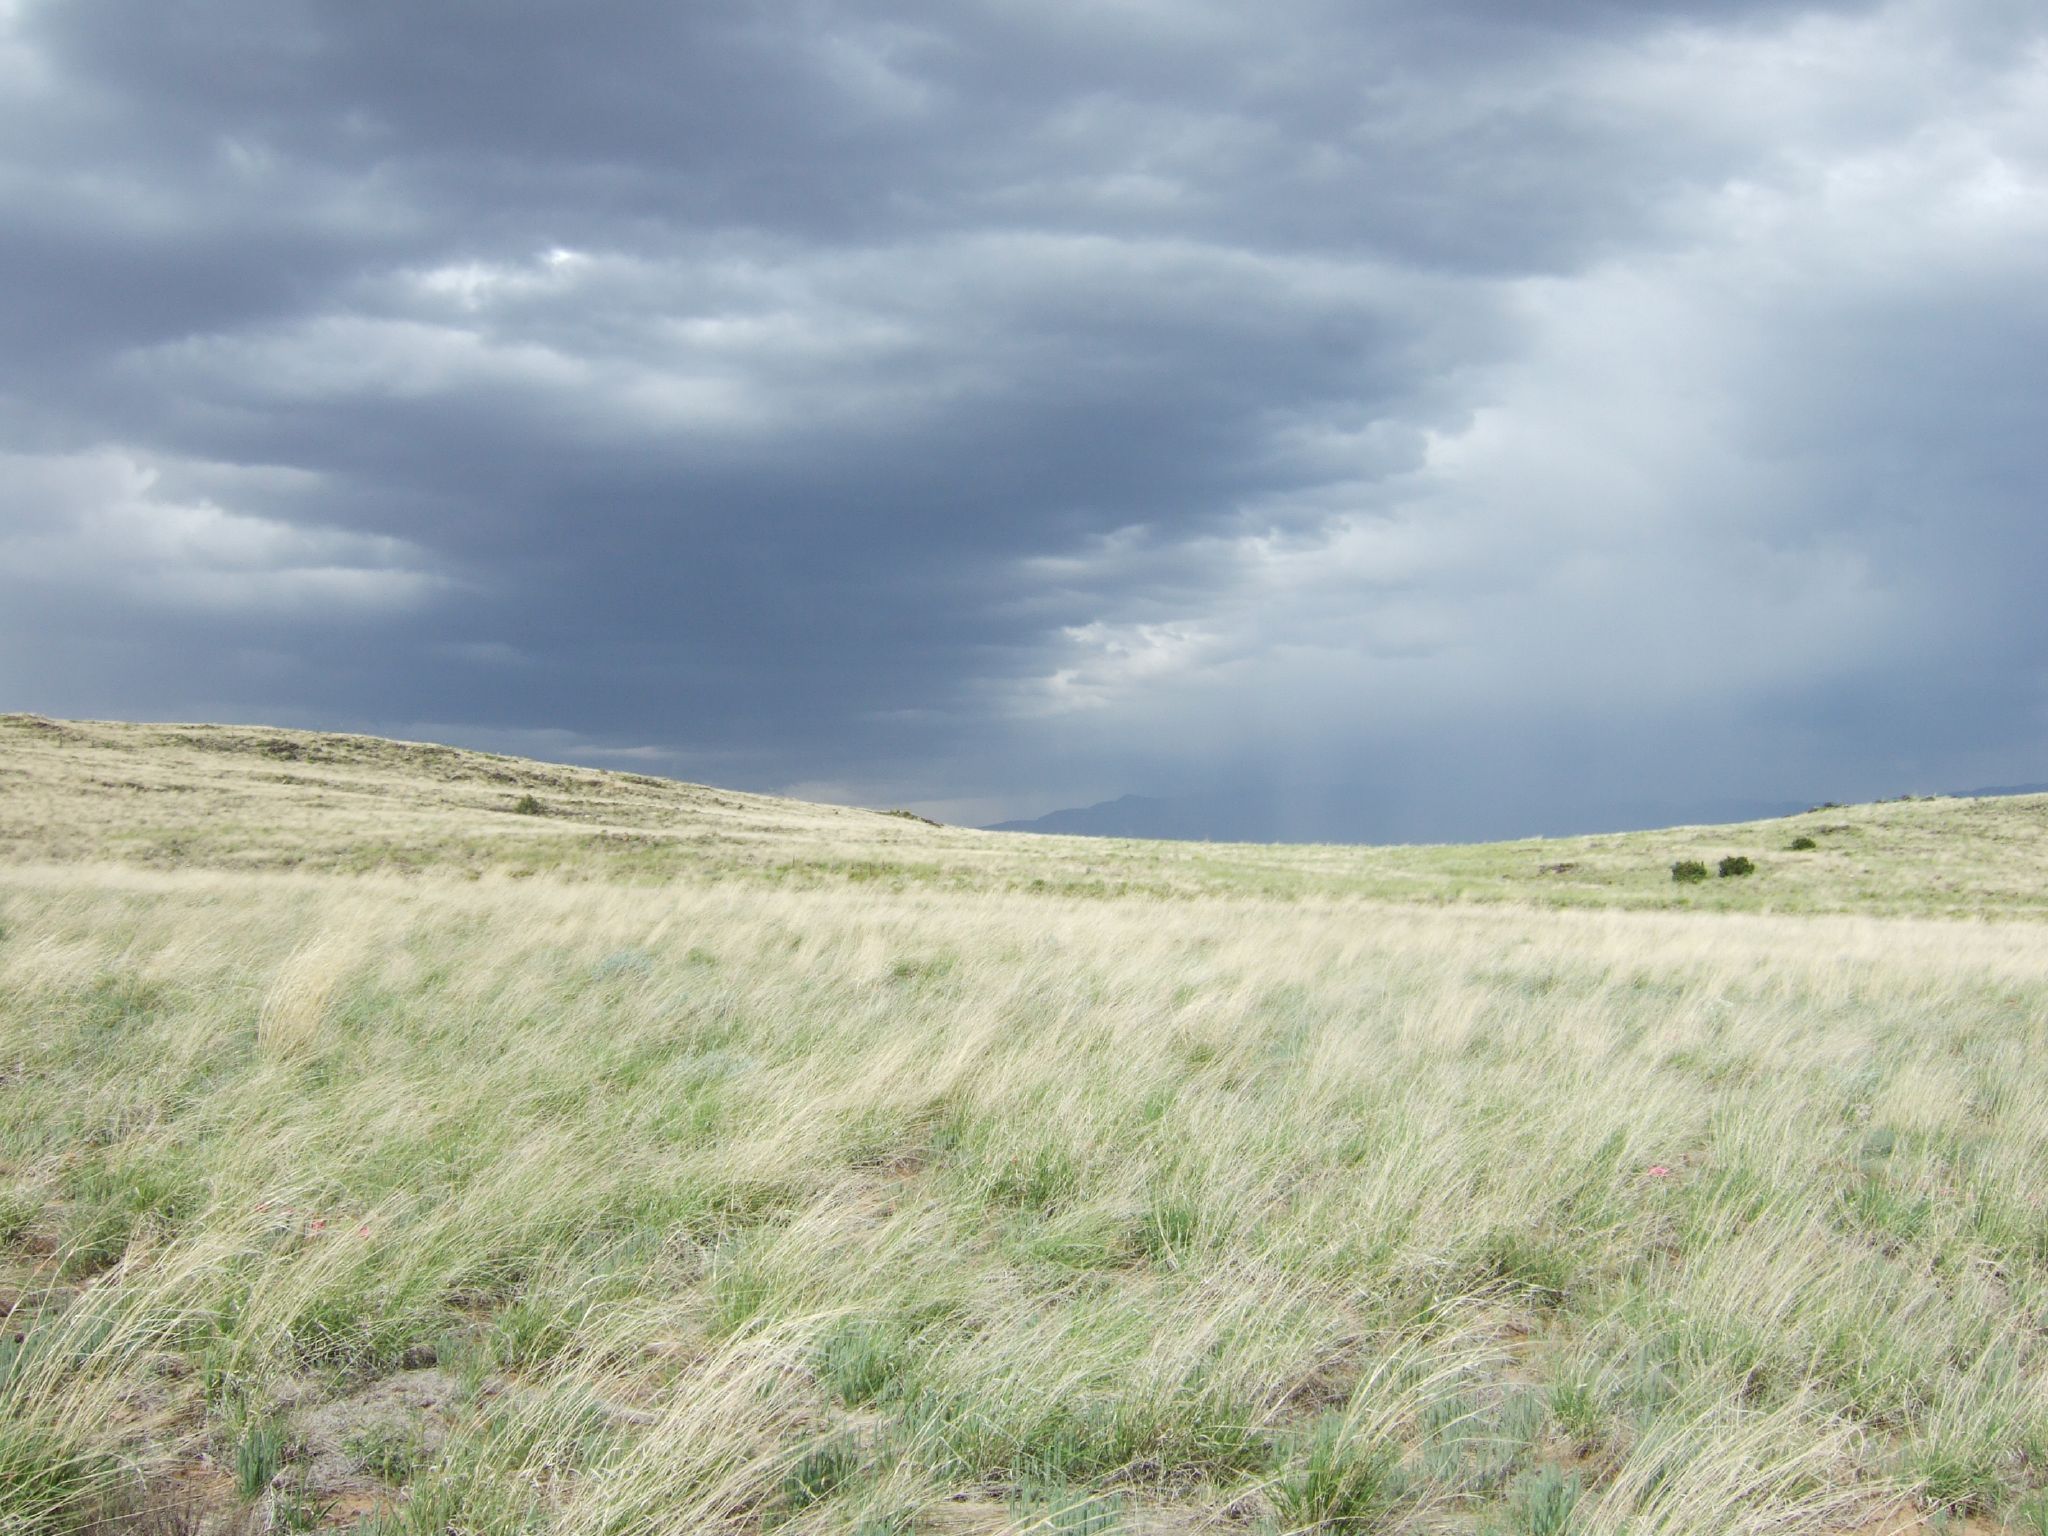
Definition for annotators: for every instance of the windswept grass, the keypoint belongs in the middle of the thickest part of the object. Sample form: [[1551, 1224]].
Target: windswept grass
[[731, 1208], [462, 1202]]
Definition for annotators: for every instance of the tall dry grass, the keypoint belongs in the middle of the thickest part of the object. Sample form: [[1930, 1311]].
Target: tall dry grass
[[734, 1208]]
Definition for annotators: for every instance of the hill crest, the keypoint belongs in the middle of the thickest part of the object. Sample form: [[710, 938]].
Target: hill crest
[[274, 799]]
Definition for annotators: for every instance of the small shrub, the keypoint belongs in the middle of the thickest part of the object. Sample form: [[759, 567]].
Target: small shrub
[[1803, 845], [1737, 864], [528, 805], [1688, 872]]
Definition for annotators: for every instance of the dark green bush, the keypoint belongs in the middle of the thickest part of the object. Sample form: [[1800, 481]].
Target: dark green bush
[[528, 805], [1803, 845], [1737, 864], [1688, 871]]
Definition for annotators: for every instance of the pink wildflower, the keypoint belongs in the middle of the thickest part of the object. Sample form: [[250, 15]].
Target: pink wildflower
[[1657, 1171]]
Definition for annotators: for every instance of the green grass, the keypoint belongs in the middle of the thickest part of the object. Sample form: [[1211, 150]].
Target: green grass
[[259, 1457], [267, 800], [753, 1202]]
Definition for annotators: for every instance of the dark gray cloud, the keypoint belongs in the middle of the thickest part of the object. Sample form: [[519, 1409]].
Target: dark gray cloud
[[1411, 419]]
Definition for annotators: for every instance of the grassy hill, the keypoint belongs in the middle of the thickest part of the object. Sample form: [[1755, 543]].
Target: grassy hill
[[243, 798], [375, 1153]]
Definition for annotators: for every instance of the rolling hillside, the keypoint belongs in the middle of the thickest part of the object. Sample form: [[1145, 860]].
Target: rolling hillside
[[233, 797], [380, 1154]]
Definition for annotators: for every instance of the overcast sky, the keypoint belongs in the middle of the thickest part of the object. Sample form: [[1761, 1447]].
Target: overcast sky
[[1416, 418]]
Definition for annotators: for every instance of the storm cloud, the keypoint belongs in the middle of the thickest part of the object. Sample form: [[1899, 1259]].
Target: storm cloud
[[1401, 420]]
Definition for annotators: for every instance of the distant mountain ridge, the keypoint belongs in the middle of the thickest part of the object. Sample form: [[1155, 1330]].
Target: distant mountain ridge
[[1125, 816], [1229, 819]]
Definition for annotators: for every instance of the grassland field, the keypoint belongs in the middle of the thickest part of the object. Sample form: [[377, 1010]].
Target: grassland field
[[409, 1140]]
